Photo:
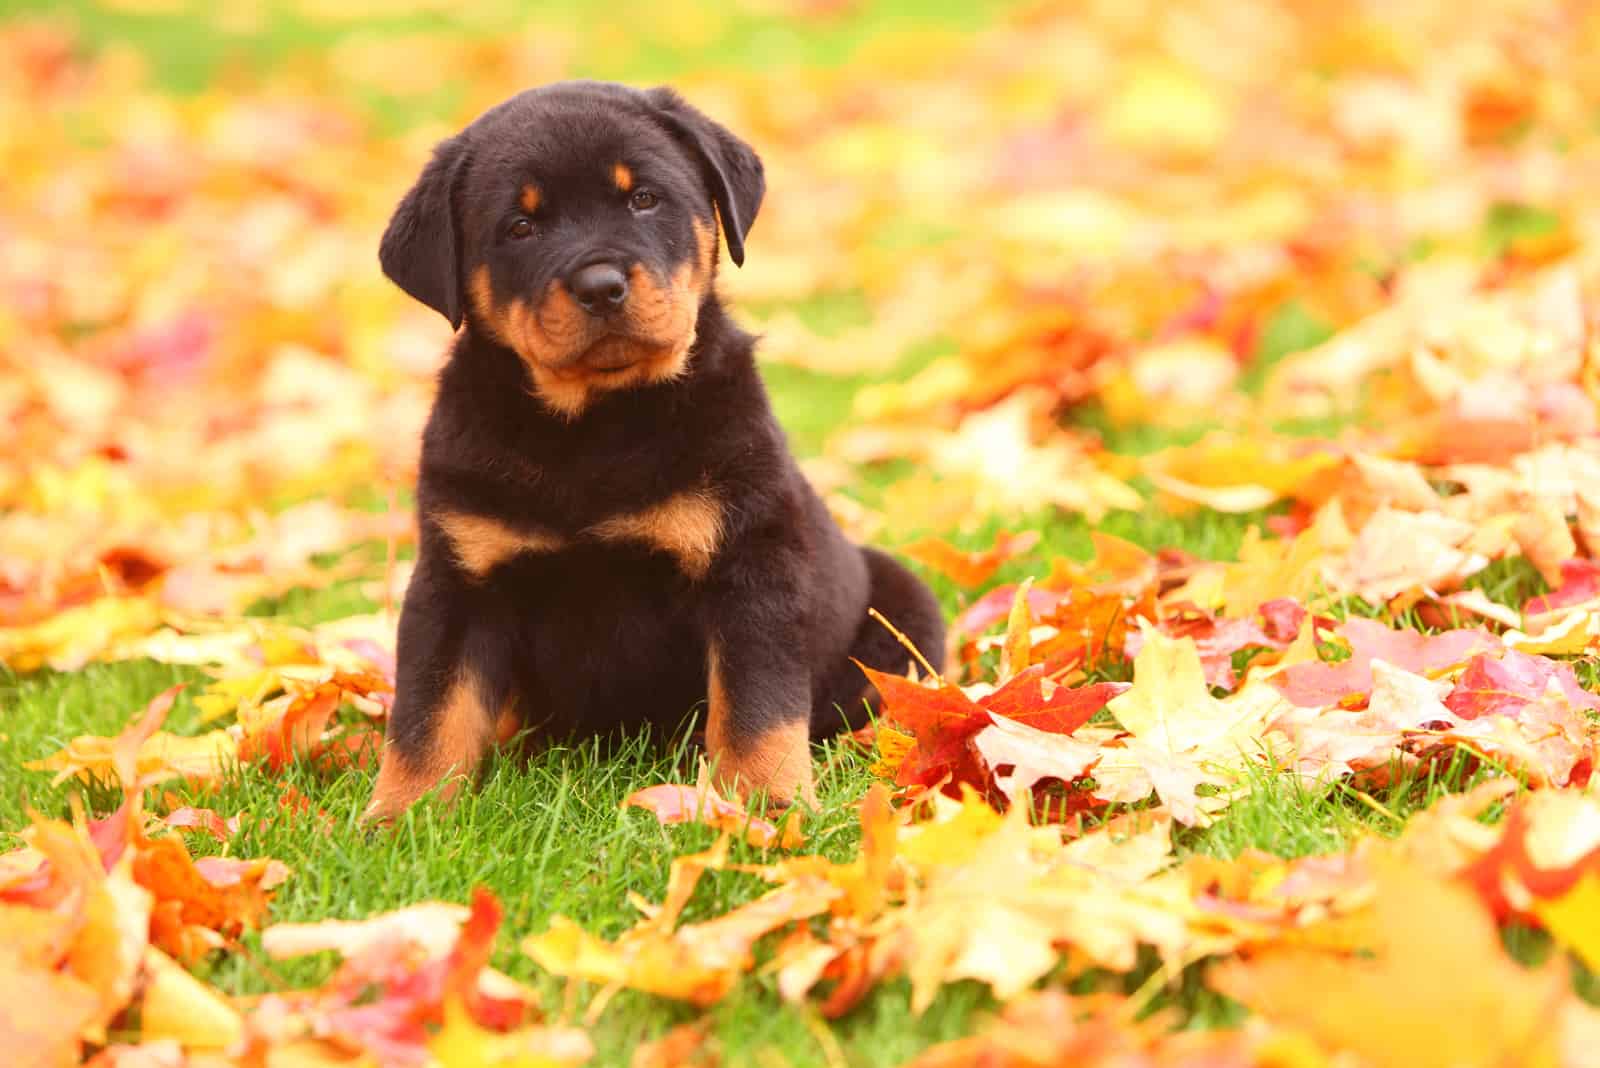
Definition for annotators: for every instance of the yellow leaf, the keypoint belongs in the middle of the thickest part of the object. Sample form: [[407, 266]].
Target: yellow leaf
[[1182, 736], [461, 1043], [70, 639], [1230, 473], [1574, 919], [1438, 990], [1570, 635], [893, 745], [1271, 569], [179, 1006], [1019, 625], [162, 756]]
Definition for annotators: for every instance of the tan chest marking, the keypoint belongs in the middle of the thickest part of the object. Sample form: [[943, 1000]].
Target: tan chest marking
[[687, 525], [481, 544]]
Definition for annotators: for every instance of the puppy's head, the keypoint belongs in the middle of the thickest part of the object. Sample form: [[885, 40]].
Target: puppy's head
[[577, 224]]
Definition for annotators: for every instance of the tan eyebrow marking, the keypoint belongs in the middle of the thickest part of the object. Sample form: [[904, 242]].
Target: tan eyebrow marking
[[622, 176], [530, 198]]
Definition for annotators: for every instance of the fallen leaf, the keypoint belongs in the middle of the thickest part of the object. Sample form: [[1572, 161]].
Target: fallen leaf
[[1397, 1007], [676, 803], [1321, 684], [178, 1006], [1182, 736], [969, 568], [432, 926]]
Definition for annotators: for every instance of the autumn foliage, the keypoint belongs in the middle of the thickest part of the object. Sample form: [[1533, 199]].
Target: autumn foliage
[[1231, 367]]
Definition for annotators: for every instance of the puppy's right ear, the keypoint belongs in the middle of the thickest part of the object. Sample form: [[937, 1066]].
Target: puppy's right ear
[[421, 249]]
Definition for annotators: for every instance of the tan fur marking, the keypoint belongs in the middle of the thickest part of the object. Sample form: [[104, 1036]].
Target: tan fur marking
[[688, 525], [552, 335], [621, 175], [529, 198], [481, 544], [481, 292], [462, 733], [778, 761], [507, 724], [705, 242]]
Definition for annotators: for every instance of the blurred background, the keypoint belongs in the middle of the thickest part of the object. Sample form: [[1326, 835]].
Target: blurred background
[[1007, 249]]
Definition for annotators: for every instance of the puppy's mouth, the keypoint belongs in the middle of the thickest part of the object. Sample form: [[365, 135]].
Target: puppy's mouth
[[609, 354], [573, 354], [616, 352]]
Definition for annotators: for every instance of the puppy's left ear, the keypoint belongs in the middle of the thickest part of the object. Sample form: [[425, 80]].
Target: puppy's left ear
[[421, 249], [732, 168]]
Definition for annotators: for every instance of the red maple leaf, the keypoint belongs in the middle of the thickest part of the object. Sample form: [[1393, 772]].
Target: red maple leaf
[[1317, 684], [943, 720], [1505, 684]]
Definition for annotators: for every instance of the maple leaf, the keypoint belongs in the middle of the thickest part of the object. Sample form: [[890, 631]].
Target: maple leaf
[[177, 1006], [188, 817], [995, 605], [432, 926], [1182, 737], [1571, 919], [159, 758], [1032, 754], [1050, 1027], [965, 568], [678, 803], [461, 1043], [1333, 742], [197, 897], [1117, 566], [1273, 570], [1579, 588], [80, 929], [1231, 473], [943, 720], [297, 724], [1546, 845], [1217, 639], [1083, 628], [1509, 682], [1397, 552], [1438, 991], [997, 897], [698, 962], [1321, 684], [392, 997]]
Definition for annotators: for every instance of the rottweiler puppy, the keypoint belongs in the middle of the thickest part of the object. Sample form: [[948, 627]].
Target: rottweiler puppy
[[612, 529]]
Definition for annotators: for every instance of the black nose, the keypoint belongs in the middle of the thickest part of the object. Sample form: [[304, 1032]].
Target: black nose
[[599, 287]]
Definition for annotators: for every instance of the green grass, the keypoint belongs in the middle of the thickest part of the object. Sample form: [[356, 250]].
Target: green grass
[[547, 835]]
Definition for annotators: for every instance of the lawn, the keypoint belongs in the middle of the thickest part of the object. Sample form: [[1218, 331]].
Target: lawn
[[1102, 262]]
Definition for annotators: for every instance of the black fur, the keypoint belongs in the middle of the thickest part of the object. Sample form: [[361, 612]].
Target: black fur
[[603, 634]]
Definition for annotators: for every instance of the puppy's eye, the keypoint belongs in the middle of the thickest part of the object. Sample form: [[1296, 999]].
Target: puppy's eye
[[643, 200], [519, 229]]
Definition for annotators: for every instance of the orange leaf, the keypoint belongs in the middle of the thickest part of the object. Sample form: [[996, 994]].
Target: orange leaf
[[969, 569]]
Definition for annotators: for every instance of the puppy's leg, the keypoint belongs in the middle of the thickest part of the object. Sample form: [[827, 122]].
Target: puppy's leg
[[451, 700], [758, 727], [906, 602]]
